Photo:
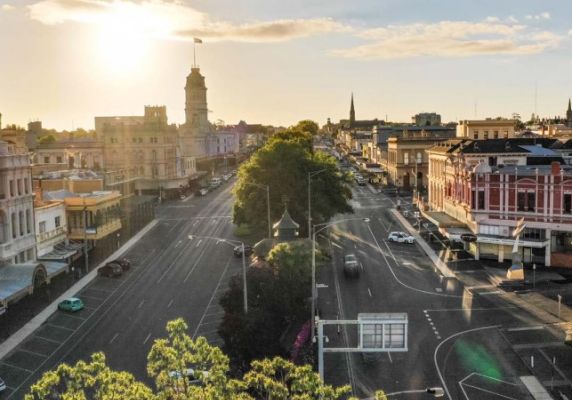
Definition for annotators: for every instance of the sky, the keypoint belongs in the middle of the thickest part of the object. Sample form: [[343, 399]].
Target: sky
[[65, 62]]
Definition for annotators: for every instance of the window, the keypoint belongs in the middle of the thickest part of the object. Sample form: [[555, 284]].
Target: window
[[405, 158], [21, 221], [419, 158], [28, 222], [59, 159], [496, 134], [14, 228], [134, 140], [26, 186], [486, 135], [42, 226], [11, 188], [521, 201], [481, 203], [46, 159], [58, 221], [140, 140], [531, 201], [19, 184], [567, 203]]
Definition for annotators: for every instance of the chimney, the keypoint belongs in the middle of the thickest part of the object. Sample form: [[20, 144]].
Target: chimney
[[555, 168]]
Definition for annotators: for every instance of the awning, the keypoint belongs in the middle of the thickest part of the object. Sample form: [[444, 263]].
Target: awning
[[54, 268], [17, 280], [443, 220], [510, 242], [455, 233], [62, 252]]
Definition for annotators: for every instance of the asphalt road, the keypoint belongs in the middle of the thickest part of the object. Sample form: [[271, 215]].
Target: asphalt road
[[172, 277], [457, 340]]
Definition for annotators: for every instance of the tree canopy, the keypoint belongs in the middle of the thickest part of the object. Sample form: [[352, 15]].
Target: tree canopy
[[307, 126], [168, 360], [283, 164]]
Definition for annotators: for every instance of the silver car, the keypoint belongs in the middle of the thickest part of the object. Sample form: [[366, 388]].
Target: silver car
[[351, 265], [400, 237]]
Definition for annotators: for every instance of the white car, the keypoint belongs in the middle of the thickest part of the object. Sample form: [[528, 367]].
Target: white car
[[189, 373], [400, 237], [2, 385]]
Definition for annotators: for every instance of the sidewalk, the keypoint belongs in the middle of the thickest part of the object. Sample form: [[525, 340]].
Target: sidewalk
[[9, 344]]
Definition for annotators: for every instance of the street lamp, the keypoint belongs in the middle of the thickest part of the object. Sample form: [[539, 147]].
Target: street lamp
[[267, 188], [310, 175], [314, 232], [232, 243]]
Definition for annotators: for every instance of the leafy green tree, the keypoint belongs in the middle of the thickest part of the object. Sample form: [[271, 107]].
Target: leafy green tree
[[296, 136], [283, 165], [308, 126], [47, 139], [92, 380], [275, 379]]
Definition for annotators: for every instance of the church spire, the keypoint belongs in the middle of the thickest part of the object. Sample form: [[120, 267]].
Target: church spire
[[352, 111], [569, 104]]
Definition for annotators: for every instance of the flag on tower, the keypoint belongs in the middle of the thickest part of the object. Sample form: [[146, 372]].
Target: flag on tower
[[197, 40]]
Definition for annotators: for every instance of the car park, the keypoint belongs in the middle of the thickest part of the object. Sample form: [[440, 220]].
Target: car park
[[248, 250], [110, 270], [400, 237], [351, 265], [72, 304]]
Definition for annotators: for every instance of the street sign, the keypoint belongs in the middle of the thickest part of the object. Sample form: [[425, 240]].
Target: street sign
[[383, 331]]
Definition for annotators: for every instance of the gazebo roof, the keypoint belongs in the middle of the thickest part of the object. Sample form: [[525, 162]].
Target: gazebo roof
[[286, 222]]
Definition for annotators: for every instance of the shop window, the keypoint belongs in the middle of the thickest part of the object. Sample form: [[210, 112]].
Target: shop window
[[567, 203], [521, 201], [481, 200]]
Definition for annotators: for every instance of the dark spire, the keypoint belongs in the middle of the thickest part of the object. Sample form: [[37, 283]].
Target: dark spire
[[569, 105], [352, 111]]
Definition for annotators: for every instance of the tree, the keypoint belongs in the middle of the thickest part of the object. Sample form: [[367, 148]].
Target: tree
[[93, 380], [307, 126], [267, 379], [296, 136], [283, 164], [47, 139]]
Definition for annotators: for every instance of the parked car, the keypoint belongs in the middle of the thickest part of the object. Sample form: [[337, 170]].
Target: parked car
[[72, 304], [191, 374], [360, 181], [203, 191], [2, 385], [400, 237], [248, 250], [124, 263], [110, 270], [215, 182], [351, 265]]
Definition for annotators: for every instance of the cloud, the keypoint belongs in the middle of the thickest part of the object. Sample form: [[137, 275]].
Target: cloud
[[450, 39], [570, 32], [173, 19], [7, 7], [542, 16]]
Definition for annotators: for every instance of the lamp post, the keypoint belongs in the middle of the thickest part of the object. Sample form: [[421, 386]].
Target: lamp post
[[310, 175], [314, 233], [232, 243], [267, 188]]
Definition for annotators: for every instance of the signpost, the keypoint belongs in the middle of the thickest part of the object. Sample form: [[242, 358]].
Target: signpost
[[377, 333]]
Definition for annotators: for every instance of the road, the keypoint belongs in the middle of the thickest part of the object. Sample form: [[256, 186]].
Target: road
[[172, 277], [457, 340]]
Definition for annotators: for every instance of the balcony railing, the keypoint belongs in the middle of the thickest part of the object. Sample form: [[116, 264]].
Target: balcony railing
[[95, 232]]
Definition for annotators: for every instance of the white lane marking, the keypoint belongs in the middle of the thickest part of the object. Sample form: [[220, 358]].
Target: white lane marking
[[33, 352], [487, 293], [526, 328], [470, 309], [178, 243], [212, 297], [447, 339], [194, 266], [170, 303], [196, 222], [336, 245], [361, 266], [369, 291], [15, 366], [486, 391], [147, 338], [389, 355], [141, 304], [198, 242], [113, 338]]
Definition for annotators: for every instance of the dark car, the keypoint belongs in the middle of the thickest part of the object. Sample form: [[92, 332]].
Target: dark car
[[110, 270], [248, 250], [351, 265], [124, 263]]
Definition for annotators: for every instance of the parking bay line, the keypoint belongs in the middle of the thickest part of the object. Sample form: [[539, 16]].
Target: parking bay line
[[147, 338], [113, 338]]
